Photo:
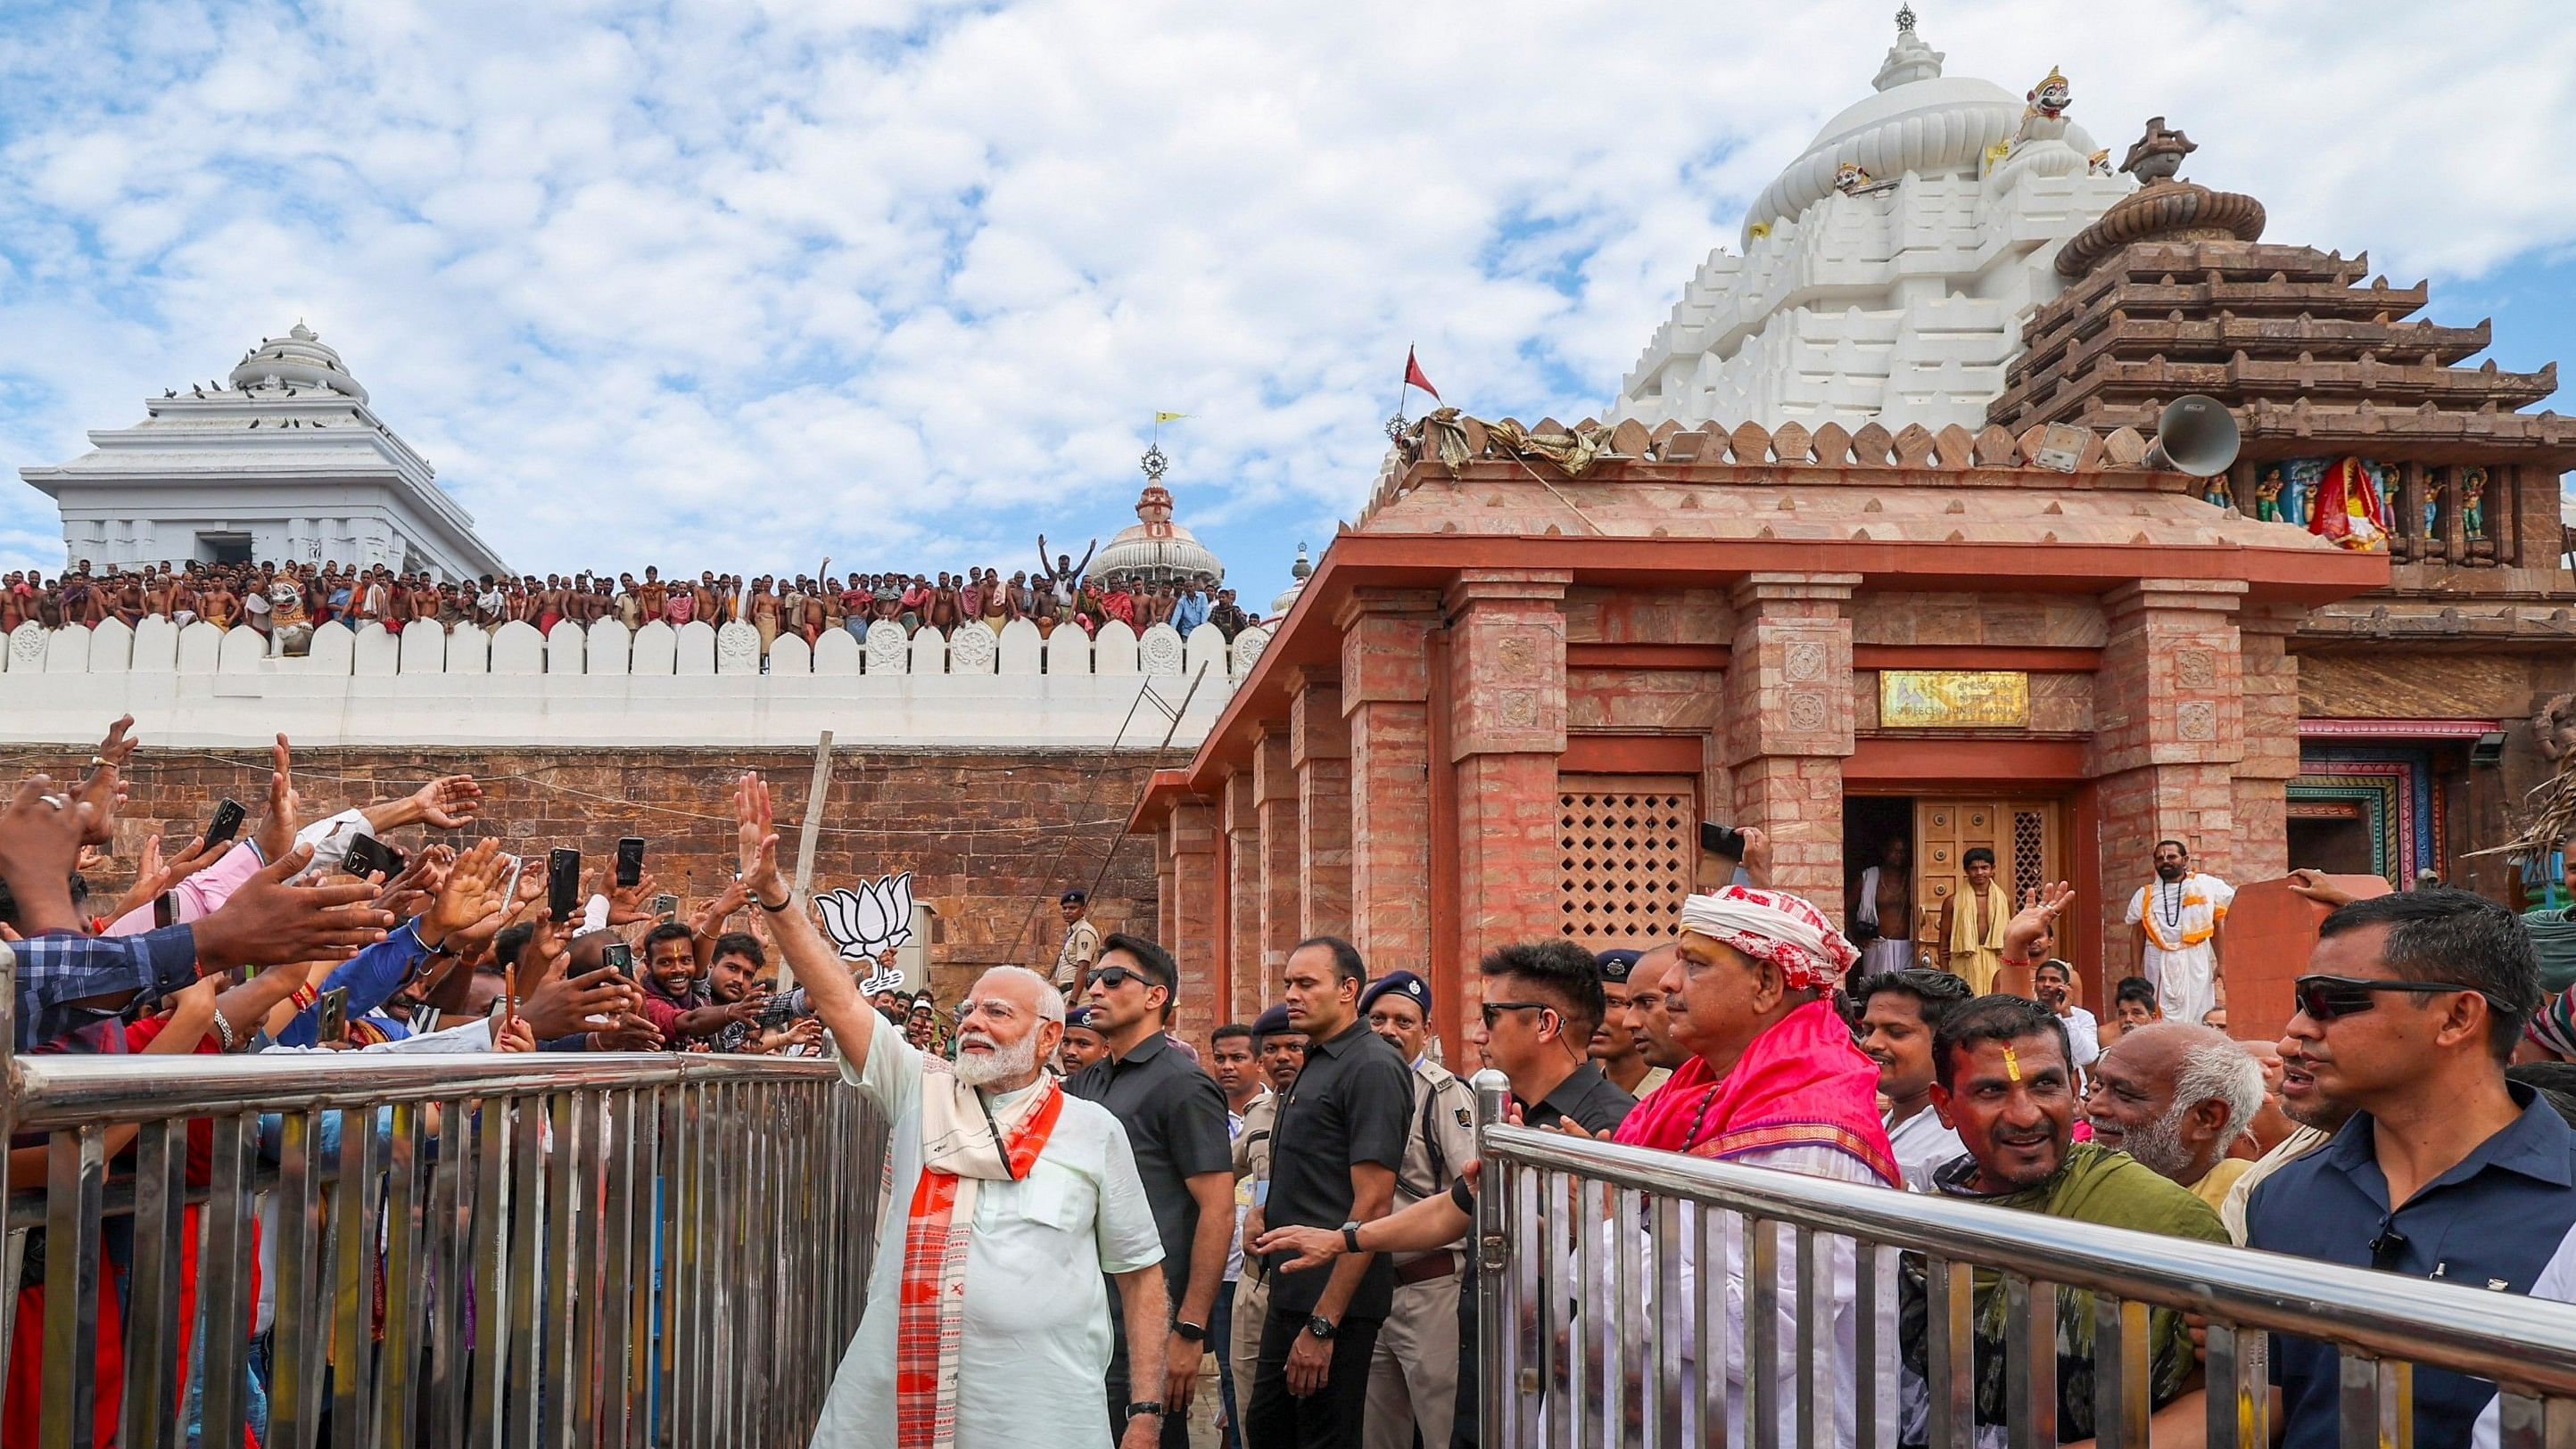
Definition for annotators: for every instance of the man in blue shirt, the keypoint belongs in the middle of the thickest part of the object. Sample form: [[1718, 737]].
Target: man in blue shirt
[[2408, 1015]]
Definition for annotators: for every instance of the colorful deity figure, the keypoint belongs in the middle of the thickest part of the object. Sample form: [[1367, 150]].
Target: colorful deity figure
[[2299, 497], [2433, 486], [2216, 493], [2473, 503], [2267, 496], [2348, 508]]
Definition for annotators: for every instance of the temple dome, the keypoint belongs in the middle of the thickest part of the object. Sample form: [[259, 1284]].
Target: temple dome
[[298, 359], [1918, 120], [1298, 573], [1154, 548]]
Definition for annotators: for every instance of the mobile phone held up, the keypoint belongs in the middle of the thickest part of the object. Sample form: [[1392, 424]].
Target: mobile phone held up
[[563, 882], [331, 1022], [369, 856], [630, 860], [667, 906], [621, 957], [226, 824]]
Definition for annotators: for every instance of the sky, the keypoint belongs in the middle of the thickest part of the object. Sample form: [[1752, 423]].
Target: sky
[[741, 283]]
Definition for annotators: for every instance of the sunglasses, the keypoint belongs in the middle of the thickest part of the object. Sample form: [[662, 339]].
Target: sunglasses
[[1114, 977], [2323, 998], [1494, 1009]]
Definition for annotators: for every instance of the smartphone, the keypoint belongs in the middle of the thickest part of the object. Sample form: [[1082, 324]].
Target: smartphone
[[630, 860], [165, 909], [563, 882], [226, 824], [621, 958], [332, 1024], [368, 856], [667, 906], [510, 891]]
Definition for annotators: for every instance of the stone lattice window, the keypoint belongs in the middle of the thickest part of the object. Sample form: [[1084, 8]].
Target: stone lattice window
[[2029, 852], [1629, 850]]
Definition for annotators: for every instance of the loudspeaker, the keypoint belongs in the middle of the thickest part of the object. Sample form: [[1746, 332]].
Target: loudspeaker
[[2195, 434]]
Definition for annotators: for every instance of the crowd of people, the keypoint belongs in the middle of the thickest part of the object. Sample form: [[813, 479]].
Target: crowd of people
[[287, 601], [1086, 1211]]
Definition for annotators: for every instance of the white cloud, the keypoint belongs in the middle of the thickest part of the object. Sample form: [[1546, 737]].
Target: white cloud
[[746, 282]]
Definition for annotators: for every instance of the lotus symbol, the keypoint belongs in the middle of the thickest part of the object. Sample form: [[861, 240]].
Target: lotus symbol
[[870, 919]]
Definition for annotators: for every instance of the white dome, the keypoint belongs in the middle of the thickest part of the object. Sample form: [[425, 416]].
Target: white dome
[[1298, 573], [298, 359], [1918, 120], [1154, 548]]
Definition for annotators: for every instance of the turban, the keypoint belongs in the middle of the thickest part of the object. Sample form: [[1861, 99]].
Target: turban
[[2554, 1026], [1776, 927]]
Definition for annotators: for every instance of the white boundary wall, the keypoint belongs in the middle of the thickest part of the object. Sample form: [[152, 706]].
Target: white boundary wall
[[696, 685]]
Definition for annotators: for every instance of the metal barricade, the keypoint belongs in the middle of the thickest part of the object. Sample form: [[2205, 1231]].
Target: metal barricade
[[1604, 1315], [534, 1249]]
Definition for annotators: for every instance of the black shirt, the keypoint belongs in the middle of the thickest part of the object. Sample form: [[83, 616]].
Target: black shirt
[[1175, 1121], [1593, 1101], [1353, 1102]]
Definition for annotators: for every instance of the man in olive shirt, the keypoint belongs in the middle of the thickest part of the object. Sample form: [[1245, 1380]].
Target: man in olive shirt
[[1341, 1135], [1175, 1121], [1542, 1004]]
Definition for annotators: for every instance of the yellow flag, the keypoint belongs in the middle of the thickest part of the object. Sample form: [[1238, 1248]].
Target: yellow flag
[[1169, 417]]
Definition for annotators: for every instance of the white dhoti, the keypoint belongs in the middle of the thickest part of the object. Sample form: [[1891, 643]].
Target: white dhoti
[[2186, 980], [1884, 953], [2180, 920]]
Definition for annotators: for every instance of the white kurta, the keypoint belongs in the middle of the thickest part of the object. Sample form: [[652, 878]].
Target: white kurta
[[2180, 918], [1033, 1356]]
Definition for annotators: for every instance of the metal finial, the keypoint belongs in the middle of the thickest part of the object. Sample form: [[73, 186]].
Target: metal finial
[[1395, 428], [1155, 463], [1905, 17]]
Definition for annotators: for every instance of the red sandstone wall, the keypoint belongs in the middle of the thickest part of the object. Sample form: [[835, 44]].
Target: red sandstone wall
[[986, 835]]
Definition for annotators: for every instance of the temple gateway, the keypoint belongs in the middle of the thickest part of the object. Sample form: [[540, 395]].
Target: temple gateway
[[1873, 546]]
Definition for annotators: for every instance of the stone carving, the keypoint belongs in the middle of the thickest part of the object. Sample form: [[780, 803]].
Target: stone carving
[[889, 648], [2555, 728], [2216, 493], [2473, 507], [1516, 709], [737, 649], [1808, 711], [1247, 650], [2195, 669], [972, 648], [1804, 661], [2157, 153], [1850, 179], [2196, 719], [27, 646], [1160, 650], [2267, 497], [2434, 486], [1517, 654]]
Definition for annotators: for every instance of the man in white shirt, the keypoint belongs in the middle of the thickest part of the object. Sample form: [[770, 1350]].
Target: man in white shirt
[[2053, 982], [987, 1324], [1900, 1010], [2177, 915]]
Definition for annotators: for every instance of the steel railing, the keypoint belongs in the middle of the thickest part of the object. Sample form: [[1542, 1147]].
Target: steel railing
[[538, 1249], [1604, 1318]]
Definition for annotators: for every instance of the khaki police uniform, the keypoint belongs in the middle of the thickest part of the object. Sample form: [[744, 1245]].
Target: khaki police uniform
[[1252, 1290], [1413, 1379]]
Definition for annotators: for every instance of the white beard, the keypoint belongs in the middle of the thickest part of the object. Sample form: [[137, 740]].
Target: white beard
[[1003, 1063]]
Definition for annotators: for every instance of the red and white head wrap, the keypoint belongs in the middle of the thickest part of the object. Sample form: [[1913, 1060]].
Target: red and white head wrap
[[1777, 927]]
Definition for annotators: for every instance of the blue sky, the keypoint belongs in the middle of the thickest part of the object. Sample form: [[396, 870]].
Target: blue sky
[[738, 283]]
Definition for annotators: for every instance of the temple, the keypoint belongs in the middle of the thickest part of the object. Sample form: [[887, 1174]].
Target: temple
[[282, 460], [1877, 544]]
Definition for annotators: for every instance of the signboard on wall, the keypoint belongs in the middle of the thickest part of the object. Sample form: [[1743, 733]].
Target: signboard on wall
[[1953, 699]]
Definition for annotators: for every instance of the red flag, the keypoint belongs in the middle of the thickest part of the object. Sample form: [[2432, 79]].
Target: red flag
[[1413, 375]]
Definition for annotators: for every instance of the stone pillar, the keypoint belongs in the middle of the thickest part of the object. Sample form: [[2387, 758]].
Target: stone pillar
[[1274, 788], [2269, 681], [1788, 724], [1319, 750], [1386, 689], [1193, 941], [1507, 730], [2169, 721], [1243, 899], [1163, 897]]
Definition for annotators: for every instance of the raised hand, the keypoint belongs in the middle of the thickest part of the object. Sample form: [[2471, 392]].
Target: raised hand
[[104, 790], [285, 811], [40, 838], [447, 802], [629, 905], [2040, 909], [410, 892], [270, 923], [563, 1006], [470, 893], [756, 841], [712, 914]]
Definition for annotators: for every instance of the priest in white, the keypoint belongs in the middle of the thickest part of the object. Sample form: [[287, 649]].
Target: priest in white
[[987, 1320], [2177, 915]]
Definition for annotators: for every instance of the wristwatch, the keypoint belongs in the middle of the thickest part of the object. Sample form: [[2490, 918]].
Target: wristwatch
[[1145, 1406], [1351, 1238], [1323, 1328], [1194, 1332]]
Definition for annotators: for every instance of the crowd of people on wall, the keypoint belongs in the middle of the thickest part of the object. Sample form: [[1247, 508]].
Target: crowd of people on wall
[[289, 600], [1086, 1212]]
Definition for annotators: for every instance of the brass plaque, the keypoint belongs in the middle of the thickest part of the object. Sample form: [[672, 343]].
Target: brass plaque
[[1918, 699]]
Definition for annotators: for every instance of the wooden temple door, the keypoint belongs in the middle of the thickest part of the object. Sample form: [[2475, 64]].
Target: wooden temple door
[[2028, 838]]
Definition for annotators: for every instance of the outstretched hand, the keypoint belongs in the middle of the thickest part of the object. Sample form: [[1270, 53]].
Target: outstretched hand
[[277, 832], [2040, 909], [756, 841], [447, 802]]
